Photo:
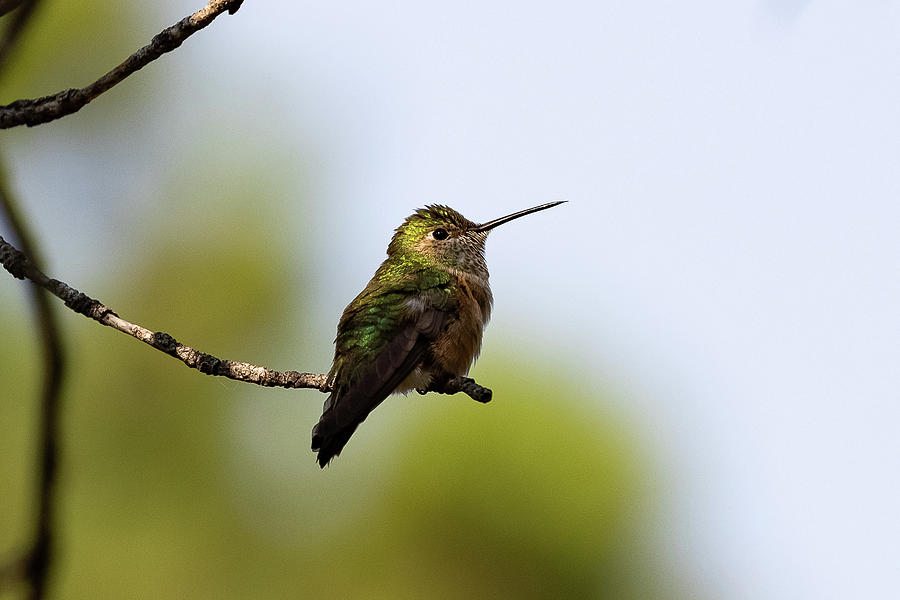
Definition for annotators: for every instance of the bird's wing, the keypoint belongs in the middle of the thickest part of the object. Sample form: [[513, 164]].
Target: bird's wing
[[406, 341]]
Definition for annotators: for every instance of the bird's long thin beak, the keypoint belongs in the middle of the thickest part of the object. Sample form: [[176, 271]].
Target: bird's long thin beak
[[491, 224]]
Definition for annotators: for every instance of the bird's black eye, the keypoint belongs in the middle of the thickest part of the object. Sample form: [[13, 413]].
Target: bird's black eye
[[440, 234]]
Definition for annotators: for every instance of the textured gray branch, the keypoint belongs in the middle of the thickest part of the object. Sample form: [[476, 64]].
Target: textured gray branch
[[20, 267], [35, 111]]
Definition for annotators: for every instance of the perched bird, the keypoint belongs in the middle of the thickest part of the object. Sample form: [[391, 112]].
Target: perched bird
[[417, 323]]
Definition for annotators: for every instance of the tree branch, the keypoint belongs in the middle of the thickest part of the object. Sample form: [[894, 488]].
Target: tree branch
[[35, 111], [16, 25], [21, 267], [38, 558]]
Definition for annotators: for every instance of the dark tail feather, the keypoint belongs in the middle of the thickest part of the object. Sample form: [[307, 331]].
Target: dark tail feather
[[328, 441]]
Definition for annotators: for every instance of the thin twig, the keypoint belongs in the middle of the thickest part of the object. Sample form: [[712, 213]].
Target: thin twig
[[21, 267], [10, 5], [38, 559], [35, 111], [17, 24]]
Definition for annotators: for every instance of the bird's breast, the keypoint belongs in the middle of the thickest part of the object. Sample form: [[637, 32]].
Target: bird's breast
[[460, 342]]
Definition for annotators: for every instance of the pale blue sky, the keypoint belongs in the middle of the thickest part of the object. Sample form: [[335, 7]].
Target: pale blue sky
[[728, 258]]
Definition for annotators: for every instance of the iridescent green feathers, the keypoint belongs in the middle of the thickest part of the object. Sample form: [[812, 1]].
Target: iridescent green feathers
[[408, 250]]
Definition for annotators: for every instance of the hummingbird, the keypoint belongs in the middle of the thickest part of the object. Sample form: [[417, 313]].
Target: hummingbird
[[418, 322]]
